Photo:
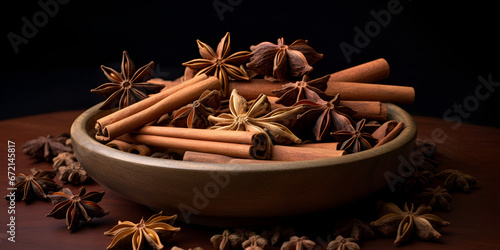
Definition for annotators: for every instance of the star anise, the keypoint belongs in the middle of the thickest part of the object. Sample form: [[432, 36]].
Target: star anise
[[329, 116], [219, 63], [34, 186], [355, 229], [354, 139], [257, 118], [46, 148], [298, 243], [76, 207], [226, 240], [436, 197], [457, 180], [63, 159], [422, 158], [341, 243], [127, 87], [280, 60], [418, 180], [278, 234], [255, 242], [73, 173], [195, 115], [145, 234], [290, 93], [407, 223]]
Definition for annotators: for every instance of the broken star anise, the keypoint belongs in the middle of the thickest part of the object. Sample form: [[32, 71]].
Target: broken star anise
[[312, 90], [219, 63], [406, 223], [257, 118], [73, 173], [145, 234], [127, 87], [281, 60], [76, 207], [354, 139], [341, 243], [195, 115], [34, 186], [328, 116], [46, 148], [457, 180]]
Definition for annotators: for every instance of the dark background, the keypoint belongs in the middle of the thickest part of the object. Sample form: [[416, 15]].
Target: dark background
[[438, 48]]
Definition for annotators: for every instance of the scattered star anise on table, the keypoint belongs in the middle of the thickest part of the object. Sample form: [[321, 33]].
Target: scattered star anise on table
[[255, 242], [295, 242], [328, 116], [341, 243], [127, 87], [281, 60], [312, 90], [35, 186], [436, 197], [76, 207], [258, 118], [195, 115], [457, 180], [145, 234], [46, 148], [226, 241], [219, 63], [406, 223], [354, 139], [73, 173]]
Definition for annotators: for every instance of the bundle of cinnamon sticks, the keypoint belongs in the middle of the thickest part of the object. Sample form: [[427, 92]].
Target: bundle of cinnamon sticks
[[134, 124]]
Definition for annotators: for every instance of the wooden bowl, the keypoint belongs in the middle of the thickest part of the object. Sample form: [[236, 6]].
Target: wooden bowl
[[209, 193]]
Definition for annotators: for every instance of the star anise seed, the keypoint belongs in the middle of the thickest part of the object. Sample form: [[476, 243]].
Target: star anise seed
[[341, 243], [226, 241], [145, 234], [195, 115], [73, 173], [290, 93], [34, 186], [46, 148], [127, 87], [255, 242], [457, 180], [354, 139], [436, 197], [219, 63], [73, 208], [295, 242]]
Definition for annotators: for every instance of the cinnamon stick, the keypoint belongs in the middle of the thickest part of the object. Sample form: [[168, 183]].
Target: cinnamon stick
[[291, 153], [140, 149], [371, 92], [206, 157], [393, 134], [370, 110], [146, 103], [168, 104], [372, 71], [119, 144], [214, 147]]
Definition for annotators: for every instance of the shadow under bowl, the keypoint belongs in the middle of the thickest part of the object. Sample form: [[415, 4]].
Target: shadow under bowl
[[209, 193]]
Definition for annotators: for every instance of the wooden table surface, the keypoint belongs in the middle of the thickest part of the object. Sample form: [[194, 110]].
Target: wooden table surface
[[474, 217]]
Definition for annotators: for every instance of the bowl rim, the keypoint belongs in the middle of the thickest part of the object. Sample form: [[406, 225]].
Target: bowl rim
[[80, 134]]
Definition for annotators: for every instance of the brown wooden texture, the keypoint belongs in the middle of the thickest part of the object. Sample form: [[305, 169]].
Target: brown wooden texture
[[474, 217]]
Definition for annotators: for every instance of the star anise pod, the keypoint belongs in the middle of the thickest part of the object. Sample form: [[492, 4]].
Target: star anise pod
[[278, 234], [73, 173], [76, 207], [407, 223], [195, 115], [280, 60], [255, 242], [354, 139], [34, 186], [328, 116], [145, 234], [257, 118], [46, 148], [457, 180], [436, 197], [290, 93], [422, 158], [219, 63], [226, 241], [418, 180], [298, 243], [63, 159], [127, 87], [355, 229], [341, 243]]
